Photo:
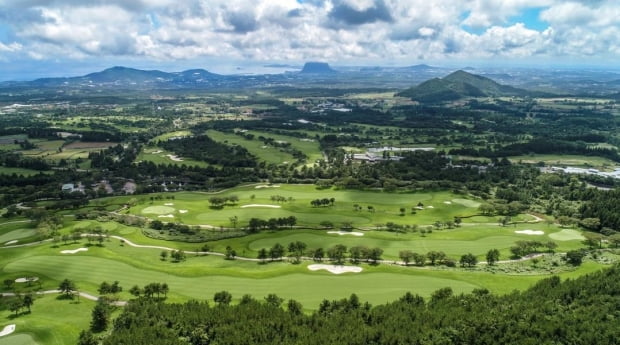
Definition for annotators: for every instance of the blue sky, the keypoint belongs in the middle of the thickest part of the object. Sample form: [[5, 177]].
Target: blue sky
[[71, 37]]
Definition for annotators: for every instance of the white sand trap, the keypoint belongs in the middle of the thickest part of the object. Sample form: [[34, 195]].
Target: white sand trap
[[335, 269], [261, 205], [11, 242], [175, 158], [448, 202], [352, 233], [430, 206], [158, 210], [156, 152], [166, 216], [25, 280], [7, 330], [74, 251], [419, 208], [182, 211], [530, 232], [267, 186], [168, 204]]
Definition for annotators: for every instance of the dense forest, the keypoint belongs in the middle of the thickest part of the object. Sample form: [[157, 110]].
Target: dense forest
[[581, 311]]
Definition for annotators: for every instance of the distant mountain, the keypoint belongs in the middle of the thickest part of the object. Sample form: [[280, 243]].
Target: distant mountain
[[419, 68], [458, 85], [132, 78], [317, 68], [120, 74]]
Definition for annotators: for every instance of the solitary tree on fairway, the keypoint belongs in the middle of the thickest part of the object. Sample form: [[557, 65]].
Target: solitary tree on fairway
[[405, 256], [9, 283], [28, 301], [468, 260], [67, 287], [262, 254], [492, 256], [222, 298]]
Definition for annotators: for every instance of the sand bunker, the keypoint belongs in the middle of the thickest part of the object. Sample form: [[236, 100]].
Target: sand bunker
[[335, 269], [74, 251], [530, 232], [158, 210], [182, 211], [11, 242], [448, 202], [166, 216], [156, 152], [261, 205], [7, 330], [25, 280], [352, 233], [175, 158], [430, 206], [267, 186], [168, 204]]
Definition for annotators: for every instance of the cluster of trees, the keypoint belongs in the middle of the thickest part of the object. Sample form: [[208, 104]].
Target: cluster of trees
[[150, 290], [14, 160], [257, 224], [323, 202], [182, 228], [205, 149], [221, 201], [523, 248], [19, 302], [106, 288], [578, 311], [602, 206]]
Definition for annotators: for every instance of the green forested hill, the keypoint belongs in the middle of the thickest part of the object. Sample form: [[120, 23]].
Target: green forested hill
[[581, 311], [458, 85]]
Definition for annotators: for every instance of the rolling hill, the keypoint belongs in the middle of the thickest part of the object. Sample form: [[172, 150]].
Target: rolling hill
[[457, 85]]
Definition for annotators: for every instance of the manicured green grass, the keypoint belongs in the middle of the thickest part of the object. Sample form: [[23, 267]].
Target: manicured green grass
[[567, 235], [438, 206], [310, 147], [16, 234], [18, 339], [307, 287], [52, 322], [158, 155], [454, 242], [256, 147]]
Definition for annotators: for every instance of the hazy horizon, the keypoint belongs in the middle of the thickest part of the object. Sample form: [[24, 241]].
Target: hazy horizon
[[53, 38]]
